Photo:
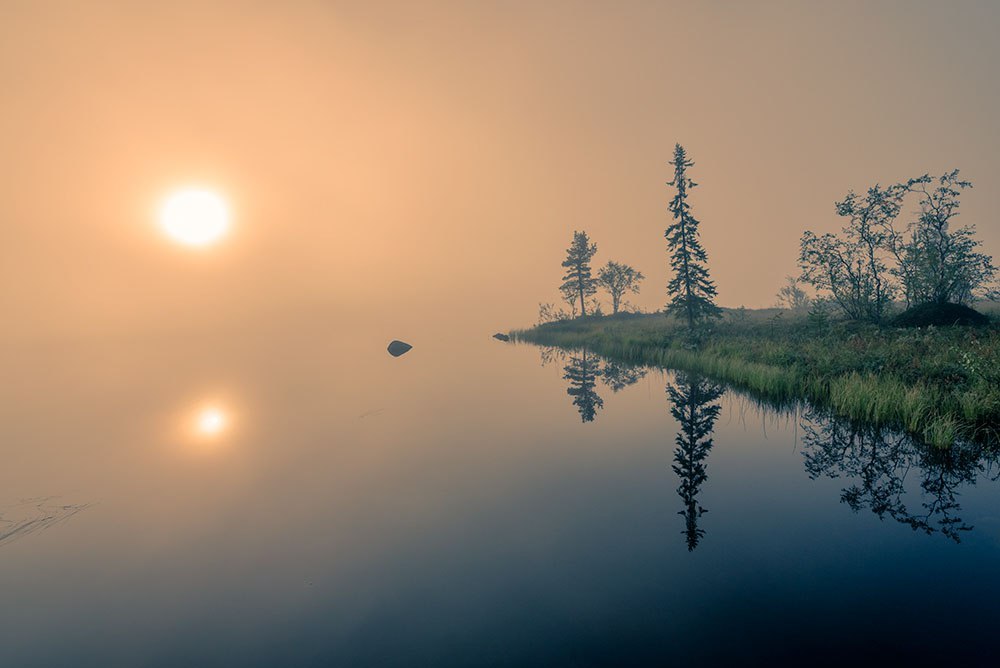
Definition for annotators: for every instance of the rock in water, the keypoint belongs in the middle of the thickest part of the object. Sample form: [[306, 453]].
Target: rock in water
[[397, 348], [501, 337]]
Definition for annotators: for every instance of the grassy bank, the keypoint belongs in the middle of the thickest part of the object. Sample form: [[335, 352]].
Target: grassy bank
[[939, 384]]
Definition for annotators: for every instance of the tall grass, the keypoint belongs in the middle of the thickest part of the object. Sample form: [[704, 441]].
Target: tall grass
[[937, 384]]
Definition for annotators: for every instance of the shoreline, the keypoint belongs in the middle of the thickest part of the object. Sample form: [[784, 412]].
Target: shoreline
[[937, 384]]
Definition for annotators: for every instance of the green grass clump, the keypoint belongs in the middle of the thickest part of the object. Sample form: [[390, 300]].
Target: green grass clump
[[939, 384]]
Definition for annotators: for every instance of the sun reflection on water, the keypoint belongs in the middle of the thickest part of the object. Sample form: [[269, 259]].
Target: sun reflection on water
[[207, 422]]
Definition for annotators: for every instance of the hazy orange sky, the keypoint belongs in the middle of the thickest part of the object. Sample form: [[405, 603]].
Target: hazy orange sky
[[435, 159]]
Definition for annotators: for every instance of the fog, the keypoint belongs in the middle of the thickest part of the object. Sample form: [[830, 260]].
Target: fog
[[210, 458], [414, 166]]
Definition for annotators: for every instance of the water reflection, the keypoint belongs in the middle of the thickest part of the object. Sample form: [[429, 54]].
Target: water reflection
[[618, 375], [584, 369], [550, 355], [205, 425], [879, 461], [891, 474], [582, 372], [694, 404]]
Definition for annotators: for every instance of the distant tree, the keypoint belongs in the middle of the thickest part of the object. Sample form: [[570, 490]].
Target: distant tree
[[693, 405], [939, 263], [791, 296], [741, 314], [691, 291], [853, 267], [578, 283], [582, 373], [619, 279]]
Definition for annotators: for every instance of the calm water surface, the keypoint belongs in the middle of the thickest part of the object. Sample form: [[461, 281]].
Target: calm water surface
[[294, 496]]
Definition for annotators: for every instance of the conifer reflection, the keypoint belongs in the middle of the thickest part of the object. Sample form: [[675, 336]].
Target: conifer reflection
[[881, 462], [582, 373], [694, 405]]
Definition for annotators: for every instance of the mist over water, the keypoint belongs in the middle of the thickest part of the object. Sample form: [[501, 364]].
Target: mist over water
[[457, 506], [209, 458]]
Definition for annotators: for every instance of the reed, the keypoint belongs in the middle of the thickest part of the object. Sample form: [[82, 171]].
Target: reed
[[937, 384]]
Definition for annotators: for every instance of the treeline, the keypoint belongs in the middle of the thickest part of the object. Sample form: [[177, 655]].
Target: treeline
[[873, 263]]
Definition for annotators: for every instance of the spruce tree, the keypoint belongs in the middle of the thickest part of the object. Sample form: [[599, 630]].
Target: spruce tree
[[578, 283], [691, 291]]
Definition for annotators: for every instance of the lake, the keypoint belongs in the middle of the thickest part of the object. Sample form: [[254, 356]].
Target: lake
[[293, 495]]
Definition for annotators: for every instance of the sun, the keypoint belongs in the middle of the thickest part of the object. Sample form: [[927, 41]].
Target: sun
[[195, 217], [211, 421]]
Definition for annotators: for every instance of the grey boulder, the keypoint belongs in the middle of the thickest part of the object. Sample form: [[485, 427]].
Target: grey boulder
[[397, 348]]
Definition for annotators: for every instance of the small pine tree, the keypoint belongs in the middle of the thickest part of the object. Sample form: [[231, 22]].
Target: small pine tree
[[691, 291], [578, 283]]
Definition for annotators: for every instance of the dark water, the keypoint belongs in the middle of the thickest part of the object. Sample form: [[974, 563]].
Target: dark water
[[465, 505]]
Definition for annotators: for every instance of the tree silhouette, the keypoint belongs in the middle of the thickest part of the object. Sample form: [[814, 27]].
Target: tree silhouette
[[619, 279], [853, 267], [618, 376], [870, 262], [582, 373], [578, 283], [879, 461], [691, 291], [791, 296], [550, 354], [941, 263], [692, 400]]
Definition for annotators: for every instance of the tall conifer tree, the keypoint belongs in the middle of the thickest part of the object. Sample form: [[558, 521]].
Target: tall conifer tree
[[691, 291], [579, 283]]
